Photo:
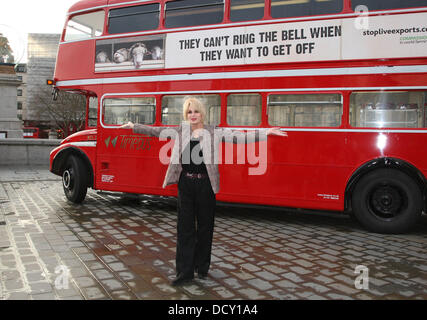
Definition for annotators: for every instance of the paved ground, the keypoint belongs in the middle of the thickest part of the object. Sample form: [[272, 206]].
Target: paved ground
[[118, 248]]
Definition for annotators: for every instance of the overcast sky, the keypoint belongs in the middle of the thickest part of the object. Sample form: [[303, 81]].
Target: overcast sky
[[20, 17]]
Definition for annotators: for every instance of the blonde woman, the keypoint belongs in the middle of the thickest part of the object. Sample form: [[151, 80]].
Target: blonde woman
[[197, 176]]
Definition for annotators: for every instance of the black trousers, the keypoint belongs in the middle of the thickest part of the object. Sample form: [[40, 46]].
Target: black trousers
[[196, 212]]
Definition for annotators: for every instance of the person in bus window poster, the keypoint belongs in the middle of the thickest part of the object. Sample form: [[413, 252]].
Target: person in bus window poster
[[193, 167]]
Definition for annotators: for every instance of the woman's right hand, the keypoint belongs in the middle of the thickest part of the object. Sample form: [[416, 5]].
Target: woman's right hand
[[128, 125]]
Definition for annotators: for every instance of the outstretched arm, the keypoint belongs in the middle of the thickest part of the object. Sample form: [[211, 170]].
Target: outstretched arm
[[144, 129], [238, 136]]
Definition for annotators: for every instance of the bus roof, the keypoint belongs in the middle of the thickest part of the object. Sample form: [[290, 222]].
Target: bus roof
[[91, 4], [87, 4]]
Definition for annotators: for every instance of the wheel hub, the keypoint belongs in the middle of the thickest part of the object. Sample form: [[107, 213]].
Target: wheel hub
[[67, 179], [386, 201]]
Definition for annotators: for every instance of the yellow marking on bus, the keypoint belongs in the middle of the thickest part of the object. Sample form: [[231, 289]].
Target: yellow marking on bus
[[286, 2], [247, 6]]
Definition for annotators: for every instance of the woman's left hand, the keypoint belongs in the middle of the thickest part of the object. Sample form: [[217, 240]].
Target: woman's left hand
[[277, 132]]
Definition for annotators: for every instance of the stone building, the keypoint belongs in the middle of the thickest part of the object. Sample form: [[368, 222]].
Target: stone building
[[10, 125], [21, 72]]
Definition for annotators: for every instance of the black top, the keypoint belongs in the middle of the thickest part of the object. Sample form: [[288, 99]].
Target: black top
[[192, 161]]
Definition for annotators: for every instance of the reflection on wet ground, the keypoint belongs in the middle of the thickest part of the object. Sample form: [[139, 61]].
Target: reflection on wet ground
[[124, 248]]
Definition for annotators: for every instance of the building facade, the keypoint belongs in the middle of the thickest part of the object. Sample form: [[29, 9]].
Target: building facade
[[21, 73], [10, 125], [42, 51]]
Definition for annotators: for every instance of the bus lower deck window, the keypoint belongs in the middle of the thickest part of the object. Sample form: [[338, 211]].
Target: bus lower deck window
[[172, 108], [300, 8], [244, 109], [187, 13], [398, 109], [305, 110], [136, 109]]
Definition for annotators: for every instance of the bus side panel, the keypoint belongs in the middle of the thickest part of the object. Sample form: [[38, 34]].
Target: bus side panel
[[365, 146], [304, 170]]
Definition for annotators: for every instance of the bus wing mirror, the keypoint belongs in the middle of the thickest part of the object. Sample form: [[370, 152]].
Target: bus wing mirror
[[55, 93]]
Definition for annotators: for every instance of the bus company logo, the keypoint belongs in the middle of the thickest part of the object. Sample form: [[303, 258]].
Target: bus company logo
[[130, 142], [135, 142], [107, 178], [113, 141]]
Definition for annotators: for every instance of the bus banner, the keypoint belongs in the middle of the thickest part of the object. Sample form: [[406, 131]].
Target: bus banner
[[370, 37]]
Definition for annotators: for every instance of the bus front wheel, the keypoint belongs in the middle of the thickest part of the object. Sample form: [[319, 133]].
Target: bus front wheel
[[387, 201], [74, 179]]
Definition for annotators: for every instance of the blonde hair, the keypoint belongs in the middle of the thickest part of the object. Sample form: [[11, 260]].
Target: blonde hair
[[196, 104]]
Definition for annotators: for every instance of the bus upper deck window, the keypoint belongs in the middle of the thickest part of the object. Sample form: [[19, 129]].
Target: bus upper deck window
[[388, 4], [245, 10], [187, 13], [85, 26], [136, 18], [299, 8]]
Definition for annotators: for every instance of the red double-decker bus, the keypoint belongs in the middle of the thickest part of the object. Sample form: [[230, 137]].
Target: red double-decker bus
[[31, 132], [346, 79]]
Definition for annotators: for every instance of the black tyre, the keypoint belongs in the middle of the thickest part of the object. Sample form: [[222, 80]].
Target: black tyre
[[387, 201], [75, 179]]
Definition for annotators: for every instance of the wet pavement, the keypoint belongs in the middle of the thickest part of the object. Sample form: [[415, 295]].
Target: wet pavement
[[114, 247]]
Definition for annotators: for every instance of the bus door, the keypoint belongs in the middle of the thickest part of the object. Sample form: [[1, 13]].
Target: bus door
[[128, 162]]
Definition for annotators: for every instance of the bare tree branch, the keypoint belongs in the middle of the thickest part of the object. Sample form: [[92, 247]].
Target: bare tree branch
[[68, 111]]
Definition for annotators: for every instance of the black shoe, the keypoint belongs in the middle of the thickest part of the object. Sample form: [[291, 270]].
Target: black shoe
[[180, 280], [202, 276]]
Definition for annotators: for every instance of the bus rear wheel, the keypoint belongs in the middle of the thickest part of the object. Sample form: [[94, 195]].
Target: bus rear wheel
[[75, 179], [387, 201]]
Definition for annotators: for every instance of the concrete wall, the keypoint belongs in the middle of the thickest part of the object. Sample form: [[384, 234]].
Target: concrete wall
[[26, 151]]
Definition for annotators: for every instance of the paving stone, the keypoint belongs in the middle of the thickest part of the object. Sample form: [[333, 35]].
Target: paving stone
[[250, 267], [243, 275], [260, 284], [223, 293], [44, 296], [316, 287], [12, 285], [94, 293], [40, 287], [233, 283], [251, 294], [18, 296], [112, 284], [300, 270], [293, 277], [281, 295]]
